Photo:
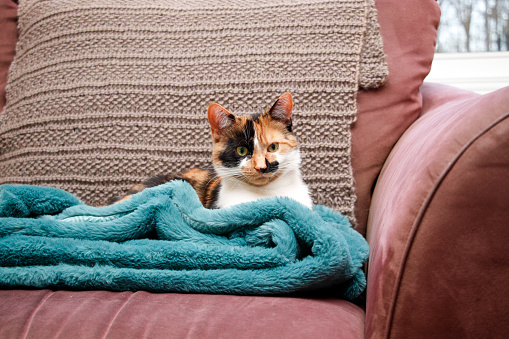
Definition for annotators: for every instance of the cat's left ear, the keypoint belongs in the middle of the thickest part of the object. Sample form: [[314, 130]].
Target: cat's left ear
[[282, 110]]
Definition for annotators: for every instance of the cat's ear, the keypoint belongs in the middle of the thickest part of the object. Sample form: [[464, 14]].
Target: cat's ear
[[219, 119], [282, 110]]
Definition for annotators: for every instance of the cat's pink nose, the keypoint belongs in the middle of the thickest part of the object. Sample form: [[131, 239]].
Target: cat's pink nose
[[261, 168], [259, 163]]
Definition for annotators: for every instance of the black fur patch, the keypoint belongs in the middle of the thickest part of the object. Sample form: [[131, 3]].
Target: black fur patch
[[229, 157], [289, 126], [256, 117], [245, 137], [157, 180], [249, 134], [271, 167]]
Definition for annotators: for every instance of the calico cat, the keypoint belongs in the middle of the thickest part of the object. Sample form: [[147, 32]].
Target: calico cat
[[254, 156]]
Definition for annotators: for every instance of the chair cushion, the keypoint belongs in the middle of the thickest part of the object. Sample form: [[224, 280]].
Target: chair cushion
[[95, 314]]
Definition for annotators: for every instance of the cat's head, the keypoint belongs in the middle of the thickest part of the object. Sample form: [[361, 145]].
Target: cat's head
[[255, 149]]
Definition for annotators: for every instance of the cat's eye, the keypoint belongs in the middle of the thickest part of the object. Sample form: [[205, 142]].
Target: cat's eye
[[242, 151], [273, 147]]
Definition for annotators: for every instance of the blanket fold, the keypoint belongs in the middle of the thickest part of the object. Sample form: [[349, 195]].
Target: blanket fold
[[164, 240]]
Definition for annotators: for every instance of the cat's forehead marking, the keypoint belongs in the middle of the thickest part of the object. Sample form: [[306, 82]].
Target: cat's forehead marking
[[270, 131], [256, 141]]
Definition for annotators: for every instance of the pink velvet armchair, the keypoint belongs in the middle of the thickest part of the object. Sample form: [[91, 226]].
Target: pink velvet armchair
[[431, 166]]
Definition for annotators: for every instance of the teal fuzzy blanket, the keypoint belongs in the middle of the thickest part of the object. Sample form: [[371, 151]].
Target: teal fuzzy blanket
[[164, 240]]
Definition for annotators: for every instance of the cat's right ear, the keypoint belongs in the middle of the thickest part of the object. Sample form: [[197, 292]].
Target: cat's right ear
[[219, 120]]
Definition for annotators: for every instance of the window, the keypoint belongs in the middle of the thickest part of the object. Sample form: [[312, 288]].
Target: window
[[473, 26], [473, 45]]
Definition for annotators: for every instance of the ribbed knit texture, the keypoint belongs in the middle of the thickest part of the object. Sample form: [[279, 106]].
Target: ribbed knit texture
[[103, 94]]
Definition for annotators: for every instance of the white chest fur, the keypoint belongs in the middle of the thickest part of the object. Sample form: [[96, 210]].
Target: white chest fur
[[233, 192]]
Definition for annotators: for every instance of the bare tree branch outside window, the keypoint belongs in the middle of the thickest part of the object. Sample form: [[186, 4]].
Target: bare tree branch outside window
[[473, 26]]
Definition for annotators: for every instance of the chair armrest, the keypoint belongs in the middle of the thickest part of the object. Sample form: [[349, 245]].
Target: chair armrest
[[438, 224]]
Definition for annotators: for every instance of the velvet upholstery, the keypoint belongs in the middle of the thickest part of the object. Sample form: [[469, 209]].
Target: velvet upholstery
[[437, 263], [101, 314]]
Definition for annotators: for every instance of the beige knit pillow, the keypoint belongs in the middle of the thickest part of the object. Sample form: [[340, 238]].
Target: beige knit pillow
[[103, 94]]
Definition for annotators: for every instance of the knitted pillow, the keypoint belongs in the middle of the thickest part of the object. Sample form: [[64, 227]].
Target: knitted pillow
[[102, 95]]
